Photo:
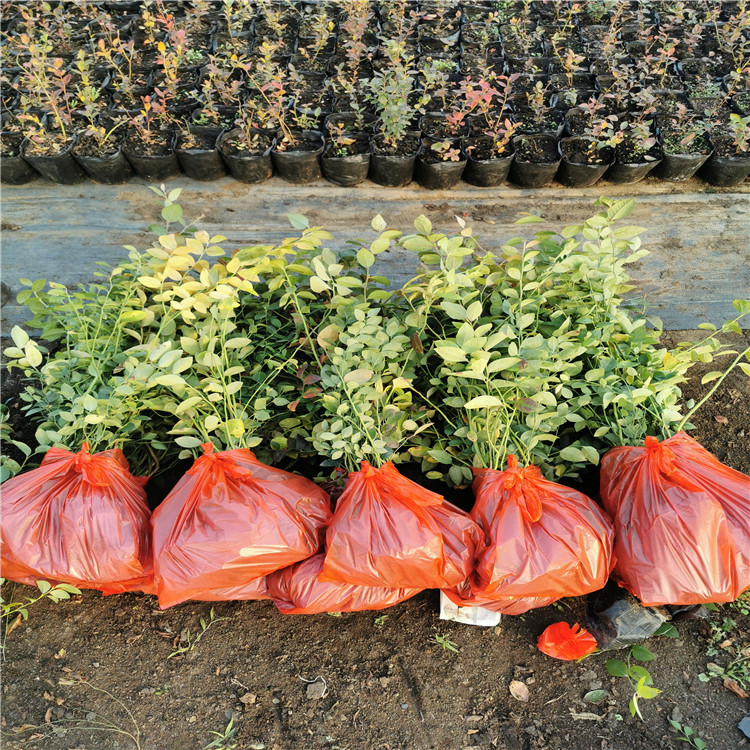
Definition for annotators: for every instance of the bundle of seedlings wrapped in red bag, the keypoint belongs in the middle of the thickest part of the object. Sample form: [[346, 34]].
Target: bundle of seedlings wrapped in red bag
[[517, 368]]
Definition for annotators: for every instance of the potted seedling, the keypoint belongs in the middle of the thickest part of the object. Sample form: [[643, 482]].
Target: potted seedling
[[537, 157], [149, 144], [729, 164], [685, 144], [394, 145], [247, 149], [346, 159]]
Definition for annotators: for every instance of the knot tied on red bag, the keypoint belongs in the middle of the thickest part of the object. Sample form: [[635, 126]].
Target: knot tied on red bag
[[519, 482], [661, 454], [219, 463], [92, 468]]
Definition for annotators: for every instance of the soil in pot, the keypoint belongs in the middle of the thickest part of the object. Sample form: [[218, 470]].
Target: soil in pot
[[59, 167], [725, 167], [248, 156], [14, 170], [583, 163], [393, 166], [153, 159], [298, 161], [104, 163], [485, 166], [198, 155], [536, 160], [346, 159]]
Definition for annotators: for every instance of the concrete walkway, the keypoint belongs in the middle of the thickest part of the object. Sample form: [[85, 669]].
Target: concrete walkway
[[699, 237]]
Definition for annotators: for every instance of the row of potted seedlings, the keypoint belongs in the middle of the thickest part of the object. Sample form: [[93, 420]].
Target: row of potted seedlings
[[432, 90]]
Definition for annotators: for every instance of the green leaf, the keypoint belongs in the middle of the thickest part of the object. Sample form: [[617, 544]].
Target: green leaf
[[360, 376], [668, 630], [745, 367], [646, 691], [617, 667], [188, 441], [742, 306], [43, 586], [441, 456], [33, 355], [621, 209], [569, 453], [481, 402], [318, 285], [451, 353], [530, 219], [298, 221], [172, 213], [628, 232], [89, 402], [457, 312], [422, 224], [595, 696], [378, 223], [365, 258], [504, 363], [642, 653], [19, 336], [169, 381], [709, 376]]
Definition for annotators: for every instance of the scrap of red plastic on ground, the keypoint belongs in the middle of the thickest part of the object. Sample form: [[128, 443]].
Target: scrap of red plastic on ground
[[563, 641], [392, 532], [229, 522], [682, 521], [80, 518], [542, 541]]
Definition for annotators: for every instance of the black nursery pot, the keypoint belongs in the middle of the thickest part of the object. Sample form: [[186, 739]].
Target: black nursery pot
[[61, 168], [14, 170], [487, 172], [110, 169], [394, 170], [244, 167], [440, 175], [627, 173], [348, 170], [579, 174], [154, 168], [204, 164], [679, 167], [723, 171], [300, 167], [534, 174]]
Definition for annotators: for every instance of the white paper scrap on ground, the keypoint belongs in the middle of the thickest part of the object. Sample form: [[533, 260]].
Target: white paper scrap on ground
[[485, 618]]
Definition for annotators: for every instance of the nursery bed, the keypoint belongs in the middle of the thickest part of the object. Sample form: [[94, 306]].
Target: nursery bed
[[388, 686], [698, 237]]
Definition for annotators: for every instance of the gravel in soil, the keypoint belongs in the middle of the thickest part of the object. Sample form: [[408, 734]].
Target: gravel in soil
[[362, 680]]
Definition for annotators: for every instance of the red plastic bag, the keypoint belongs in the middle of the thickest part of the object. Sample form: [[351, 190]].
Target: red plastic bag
[[682, 520], [230, 521], [80, 518], [389, 531], [298, 590], [542, 541], [566, 642]]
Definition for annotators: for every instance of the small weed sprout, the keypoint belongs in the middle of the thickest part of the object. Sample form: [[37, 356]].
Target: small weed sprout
[[687, 734], [224, 740], [445, 643], [188, 643]]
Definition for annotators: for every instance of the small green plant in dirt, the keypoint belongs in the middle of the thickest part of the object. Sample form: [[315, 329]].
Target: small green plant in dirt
[[728, 641], [9, 467], [637, 675], [380, 621], [687, 734], [12, 614], [188, 641], [445, 643], [223, 740]]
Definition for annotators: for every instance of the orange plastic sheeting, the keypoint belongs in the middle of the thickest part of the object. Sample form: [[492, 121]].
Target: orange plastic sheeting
[[542, 541], [229, 521], [80, 518], [682, 520], [389, 531], [298, 590]]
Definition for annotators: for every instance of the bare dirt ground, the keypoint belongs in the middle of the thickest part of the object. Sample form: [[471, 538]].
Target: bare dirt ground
[[366, 680]]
